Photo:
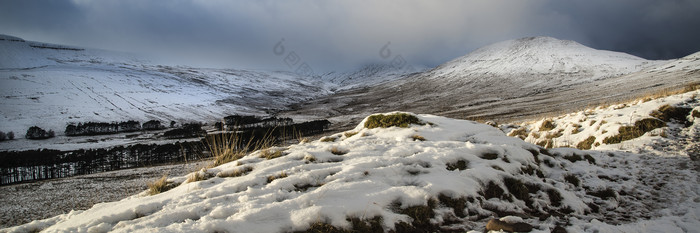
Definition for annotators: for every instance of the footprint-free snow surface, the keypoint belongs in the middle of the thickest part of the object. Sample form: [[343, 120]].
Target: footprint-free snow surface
[[444, 175]]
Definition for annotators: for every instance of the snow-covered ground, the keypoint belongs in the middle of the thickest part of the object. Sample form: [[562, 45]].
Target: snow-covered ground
[[443, 175], [22, 203], [597, 124]]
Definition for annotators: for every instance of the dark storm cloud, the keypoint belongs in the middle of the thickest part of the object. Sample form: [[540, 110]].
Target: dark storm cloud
[[653, 29], [343, 34]]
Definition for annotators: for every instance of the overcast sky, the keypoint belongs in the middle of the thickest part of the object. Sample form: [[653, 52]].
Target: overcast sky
[[340, 35]]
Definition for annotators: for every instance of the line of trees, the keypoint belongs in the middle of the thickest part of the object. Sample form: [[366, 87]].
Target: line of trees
[[7, 136], [37, 133], [98, 128], [20, 166], [234, 122], [189, 130]]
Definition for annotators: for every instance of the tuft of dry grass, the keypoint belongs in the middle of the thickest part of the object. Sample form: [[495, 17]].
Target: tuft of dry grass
[[196, 176], [554, 134], [638, 129], [586, 144], [520, 133], [159, 186], [337, 151], [328, 139], [576, 129], [225, 147], [272, 178], [310, 158], [349, 134], [228, 147], [236, 173], [270, 153], [547, 125], [417, 137], [547, 143], [693, 86], [668, 113]]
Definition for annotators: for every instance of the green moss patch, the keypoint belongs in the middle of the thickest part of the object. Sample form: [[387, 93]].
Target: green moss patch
[[402, 120]]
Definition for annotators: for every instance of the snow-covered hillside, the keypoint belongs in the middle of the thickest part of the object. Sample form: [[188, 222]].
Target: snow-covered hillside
[[438, 174], [370, 75], [52, 85], [541, 56], [671, 127]]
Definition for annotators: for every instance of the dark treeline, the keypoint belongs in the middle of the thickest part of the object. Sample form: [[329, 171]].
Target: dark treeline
[[20, 166], [36, 133], [56, 47], [190, 130], [247, 122], [279, 133], [98, 128]]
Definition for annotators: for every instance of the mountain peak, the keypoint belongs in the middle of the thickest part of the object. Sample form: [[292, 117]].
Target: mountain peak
[[542, 56]]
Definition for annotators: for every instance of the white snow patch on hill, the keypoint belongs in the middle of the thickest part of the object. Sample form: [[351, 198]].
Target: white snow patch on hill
[[542, 55], [458, 173]]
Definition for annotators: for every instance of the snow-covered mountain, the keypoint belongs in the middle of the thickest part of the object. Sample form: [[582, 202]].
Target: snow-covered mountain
[[50, 85], [370, 75], [436, 175], [515, 79], [531, 56]]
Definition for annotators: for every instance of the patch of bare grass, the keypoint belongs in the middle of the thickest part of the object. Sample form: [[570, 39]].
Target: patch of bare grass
[[337, 151], [547, 125], [236, 173], [417, 137], [520, 133], [350, 134], [638, 129], [586, 144], [160, 185], [270, 153]]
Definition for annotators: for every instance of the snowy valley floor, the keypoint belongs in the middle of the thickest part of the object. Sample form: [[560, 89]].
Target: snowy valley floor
[[436, 174], [22, 203]]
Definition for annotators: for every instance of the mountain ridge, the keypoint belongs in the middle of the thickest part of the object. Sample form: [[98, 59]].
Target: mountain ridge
[[542, 56]]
